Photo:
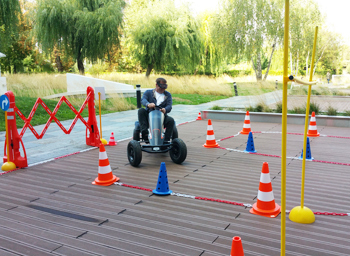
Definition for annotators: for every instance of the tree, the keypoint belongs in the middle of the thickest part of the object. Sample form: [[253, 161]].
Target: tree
[[86, 29], [9, 12], [246, 28], [159, 35]]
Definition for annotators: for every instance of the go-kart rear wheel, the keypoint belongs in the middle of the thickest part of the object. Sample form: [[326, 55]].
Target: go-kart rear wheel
[[178, 152], [136, 135], [134, 153]]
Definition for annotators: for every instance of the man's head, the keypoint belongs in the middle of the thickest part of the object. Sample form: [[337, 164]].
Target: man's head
[[161, 84]]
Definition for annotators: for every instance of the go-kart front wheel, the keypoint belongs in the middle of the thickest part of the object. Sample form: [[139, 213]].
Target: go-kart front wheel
[[134, 153], [178, 152]]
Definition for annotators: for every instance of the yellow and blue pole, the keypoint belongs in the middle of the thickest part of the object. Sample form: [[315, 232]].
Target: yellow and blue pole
[[284, 129], [301, 214]]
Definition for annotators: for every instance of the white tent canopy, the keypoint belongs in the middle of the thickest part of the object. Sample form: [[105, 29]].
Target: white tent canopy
[[2, 55]]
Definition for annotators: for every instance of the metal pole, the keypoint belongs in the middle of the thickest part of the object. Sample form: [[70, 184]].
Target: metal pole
[[138, 95], [284, 129], [235, 87]]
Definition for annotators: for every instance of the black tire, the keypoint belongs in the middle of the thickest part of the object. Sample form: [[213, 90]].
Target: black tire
[[178, 152], [175, 133], [136, 135], [134, 153]]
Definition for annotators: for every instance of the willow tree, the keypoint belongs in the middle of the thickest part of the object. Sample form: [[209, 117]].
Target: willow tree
[[9, 11], [86, 28], [250, 29], [159, 34]]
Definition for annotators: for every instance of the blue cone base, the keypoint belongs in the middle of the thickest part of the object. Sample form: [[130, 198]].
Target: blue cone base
[[162, 193], [308, 159], [247, 151]]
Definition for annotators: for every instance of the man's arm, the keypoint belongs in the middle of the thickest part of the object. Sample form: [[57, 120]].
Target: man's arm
[[169, 103], [144, 100]]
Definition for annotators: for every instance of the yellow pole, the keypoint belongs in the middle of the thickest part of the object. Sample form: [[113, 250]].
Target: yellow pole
[[307, 120], [284, 129], [301, 214], [99, 107]]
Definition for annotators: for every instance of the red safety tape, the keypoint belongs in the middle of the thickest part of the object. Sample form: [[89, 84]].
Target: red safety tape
[[331, 213], [227, 138], [329, 162], [59, 157], [261, 154], [218, 200], [10, 171], [141, 188], [340, 137]]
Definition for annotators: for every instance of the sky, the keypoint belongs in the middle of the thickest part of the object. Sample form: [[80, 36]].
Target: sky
[[335, 10]]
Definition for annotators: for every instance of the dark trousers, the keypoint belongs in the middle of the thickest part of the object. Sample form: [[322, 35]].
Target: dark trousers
[[143, 120]]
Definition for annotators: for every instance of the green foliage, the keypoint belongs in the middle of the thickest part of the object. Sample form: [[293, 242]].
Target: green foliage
[[165, 39], [9, 13], [279, 107], [86, 28], [314, 107], [216, 107], [194, 99], [347, 113], [235, 73], [332, 111], [298, 110]]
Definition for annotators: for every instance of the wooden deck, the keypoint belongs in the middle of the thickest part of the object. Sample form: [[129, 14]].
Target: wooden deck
[[53, 209]]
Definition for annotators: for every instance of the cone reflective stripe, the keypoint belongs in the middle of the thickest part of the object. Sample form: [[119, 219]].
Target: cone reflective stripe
[[313, 127], [105, 176], [211, 142], [112, 141], [237, 247], [265, 204], [199, 116], [246, 126]]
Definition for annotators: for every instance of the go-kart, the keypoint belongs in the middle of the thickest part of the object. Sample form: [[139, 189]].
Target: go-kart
[[176, 147]]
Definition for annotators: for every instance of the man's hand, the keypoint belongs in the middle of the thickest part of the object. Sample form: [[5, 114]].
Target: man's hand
[[151, 105], [163, 110]]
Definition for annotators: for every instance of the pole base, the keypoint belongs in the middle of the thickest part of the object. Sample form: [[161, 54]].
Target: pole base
[[8, 166], [302, 215]]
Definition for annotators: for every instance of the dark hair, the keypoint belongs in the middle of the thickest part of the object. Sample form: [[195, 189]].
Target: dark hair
[[160, 80]]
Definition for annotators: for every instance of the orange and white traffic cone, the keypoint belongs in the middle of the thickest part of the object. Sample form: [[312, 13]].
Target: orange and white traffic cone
[[112, 141], [246, 126], [105, 176], [199, 116], [313, 127], [265, 205], [211, 142], [237, 247]]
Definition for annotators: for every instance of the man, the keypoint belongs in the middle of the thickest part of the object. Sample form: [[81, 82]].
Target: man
[[161, 98]]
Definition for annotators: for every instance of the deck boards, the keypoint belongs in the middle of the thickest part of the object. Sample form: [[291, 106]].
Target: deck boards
[[53, 209]]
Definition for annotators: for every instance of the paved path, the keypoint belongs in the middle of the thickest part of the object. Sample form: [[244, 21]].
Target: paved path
[[55, 143]]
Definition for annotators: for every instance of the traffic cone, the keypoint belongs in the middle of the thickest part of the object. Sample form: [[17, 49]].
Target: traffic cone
[[246, 126], [162, 188], [199, 116], [250, 144], [308, 151], [265, 205], [313, 127], [237, 247], [211, 142], [112, 141], [105, 176]]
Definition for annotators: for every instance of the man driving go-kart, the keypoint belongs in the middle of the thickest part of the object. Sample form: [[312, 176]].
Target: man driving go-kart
[[154, 118], [161, 99]]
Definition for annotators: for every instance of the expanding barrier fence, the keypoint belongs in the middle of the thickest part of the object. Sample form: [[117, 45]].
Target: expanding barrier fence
[[15, 138]]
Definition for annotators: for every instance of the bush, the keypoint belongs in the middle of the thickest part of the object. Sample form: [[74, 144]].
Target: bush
[[331, 111], [298, 110], [235, 73], [347, 113], [314, 107], [278, 107], [217, 108]]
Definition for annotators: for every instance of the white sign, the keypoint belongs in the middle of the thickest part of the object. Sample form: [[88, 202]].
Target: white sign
[[100, 90]]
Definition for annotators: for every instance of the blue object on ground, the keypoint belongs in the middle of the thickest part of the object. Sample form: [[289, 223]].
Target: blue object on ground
[[162, 188], [308, 151], [250, 144]]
